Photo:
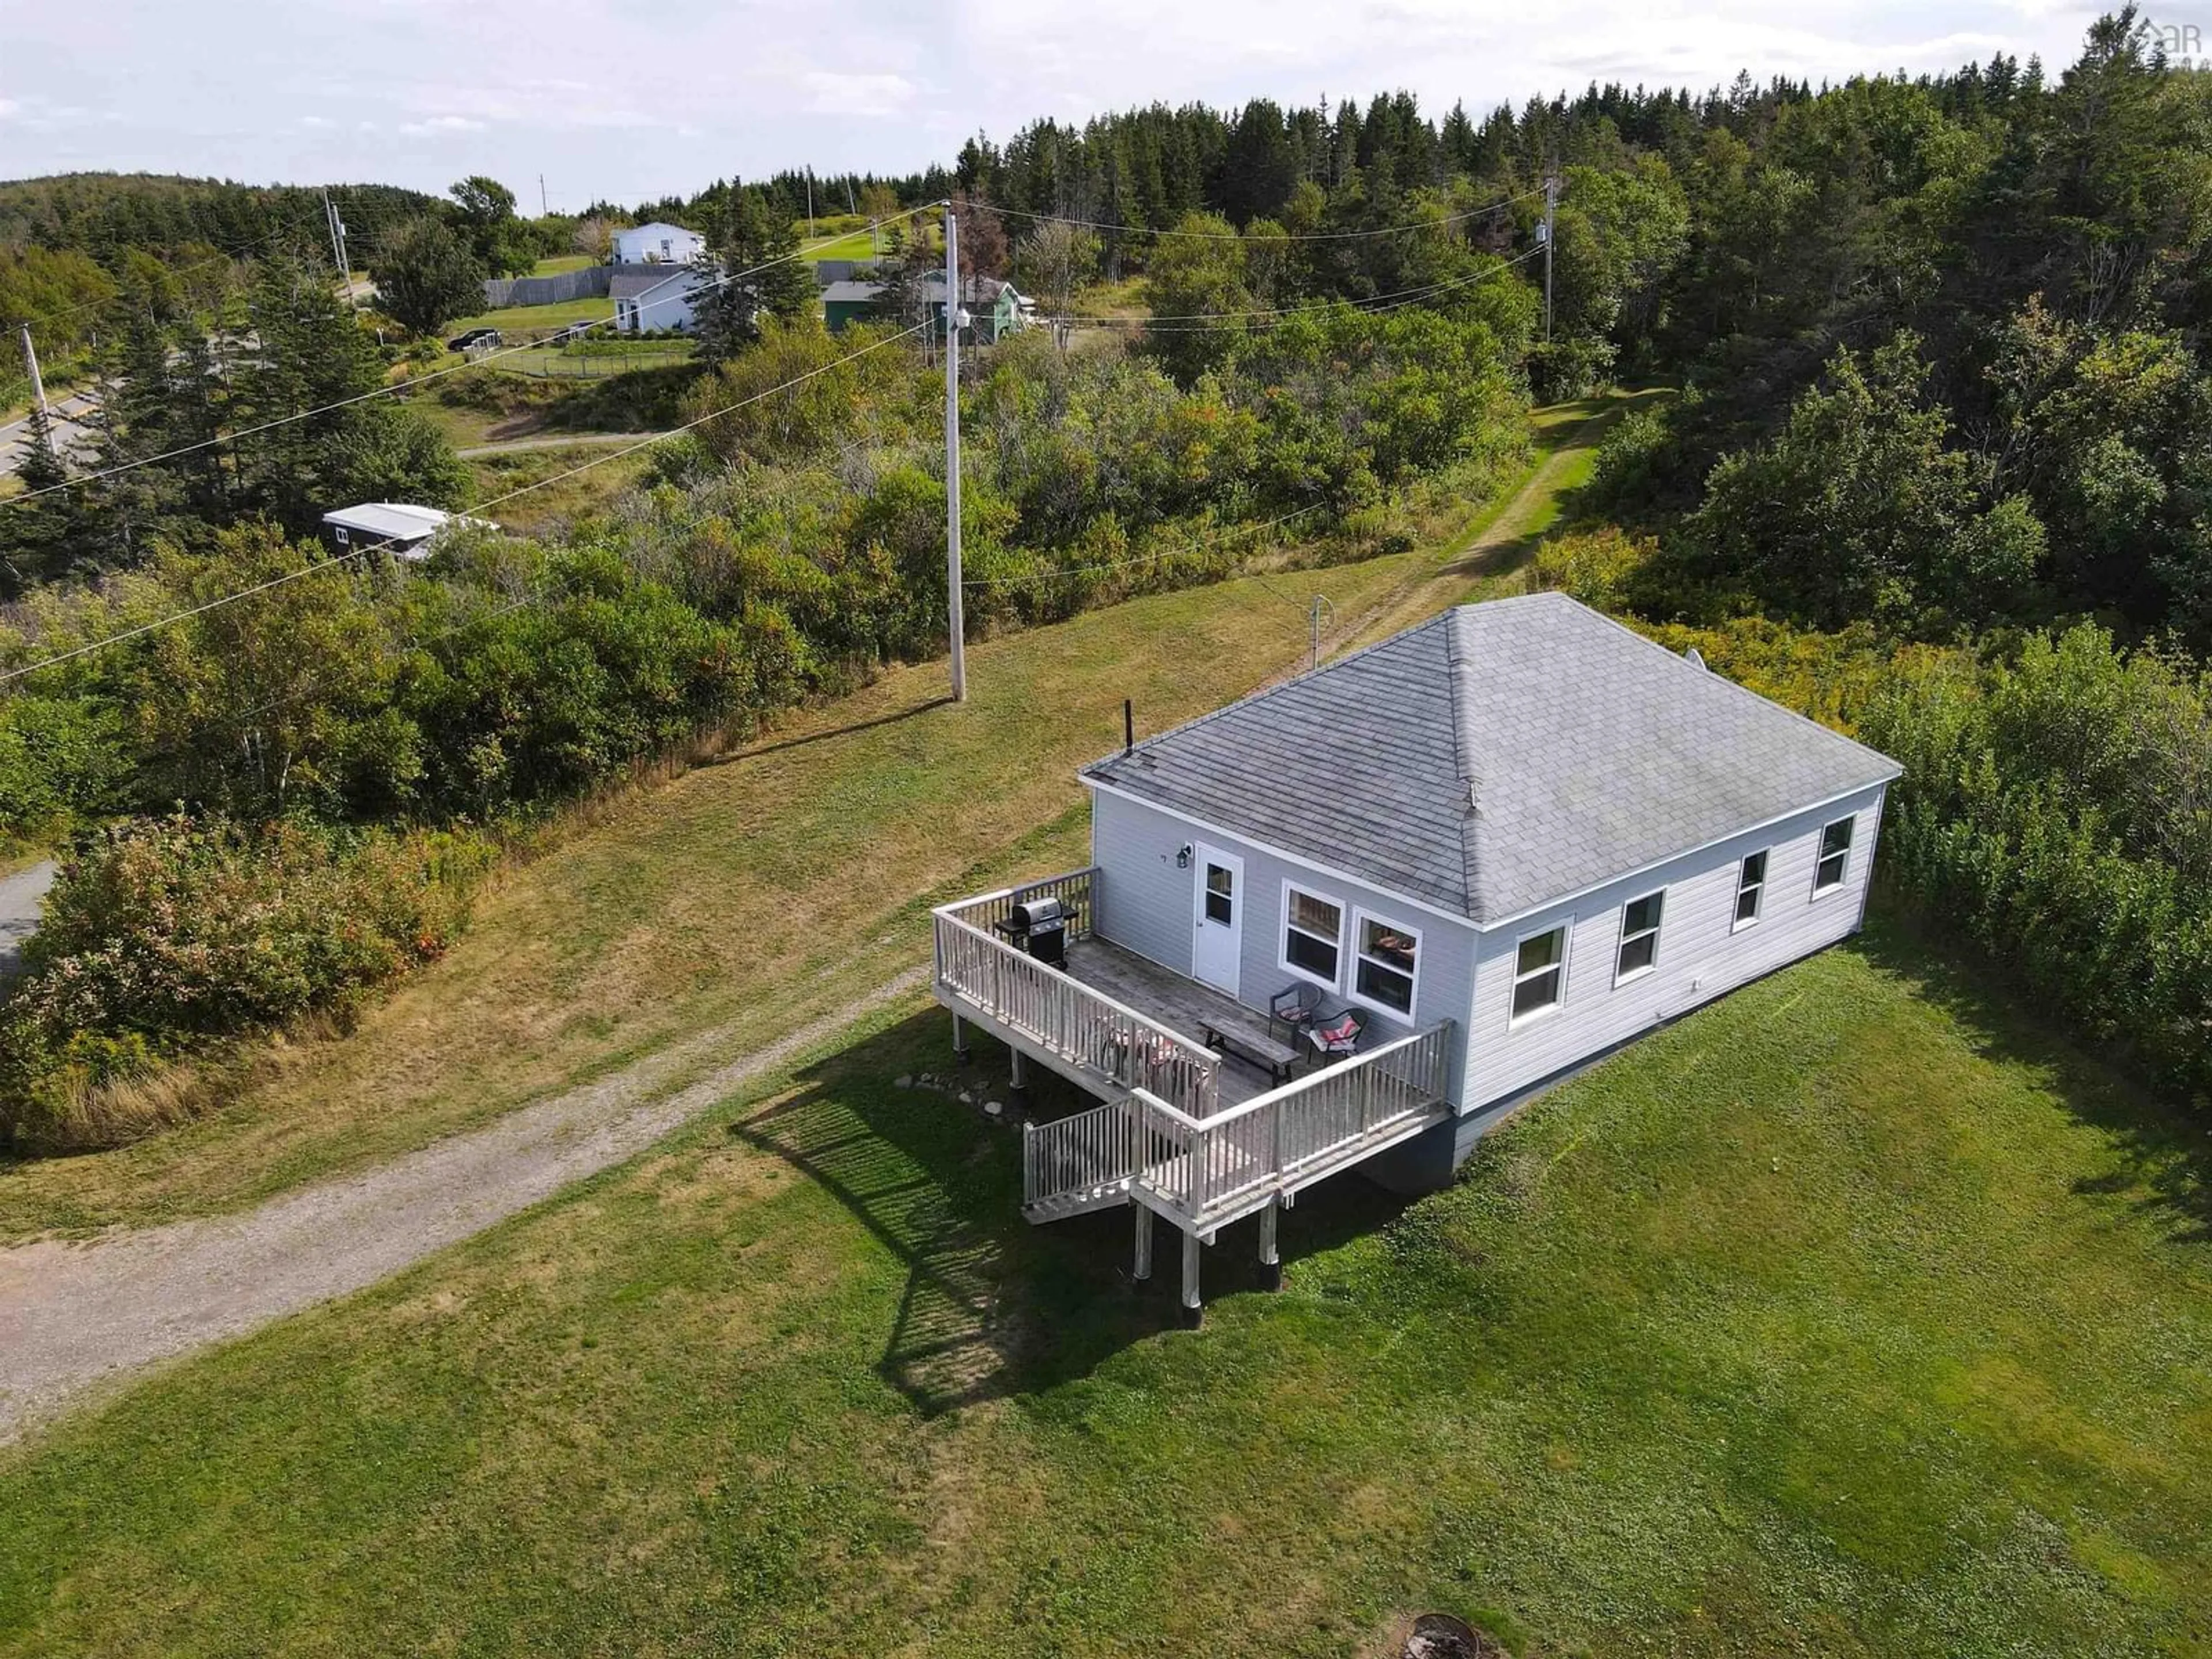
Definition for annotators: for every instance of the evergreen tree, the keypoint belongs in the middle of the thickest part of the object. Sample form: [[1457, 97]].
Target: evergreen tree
[[36, 536], [751, 275], [426, 276]]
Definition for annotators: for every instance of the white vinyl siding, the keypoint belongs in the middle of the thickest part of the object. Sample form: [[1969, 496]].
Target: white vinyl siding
[[1704, 953]]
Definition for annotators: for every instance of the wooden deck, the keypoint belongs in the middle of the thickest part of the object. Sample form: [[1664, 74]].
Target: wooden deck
[[1182, 1003], [1181, 1132]]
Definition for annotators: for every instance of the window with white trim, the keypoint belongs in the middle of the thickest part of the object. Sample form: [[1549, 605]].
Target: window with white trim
[[1835, 855], [1539, 972], [1639, 935], [1385, 962], [1313, 934], [1750, 889]]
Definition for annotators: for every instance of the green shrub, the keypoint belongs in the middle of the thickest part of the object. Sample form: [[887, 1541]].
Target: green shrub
[[61, 760], [160, 935], [2052, 811]]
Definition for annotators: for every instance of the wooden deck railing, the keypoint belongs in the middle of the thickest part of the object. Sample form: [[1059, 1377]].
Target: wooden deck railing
[[1064, 1016], [1072, 890], [1204, 1167]]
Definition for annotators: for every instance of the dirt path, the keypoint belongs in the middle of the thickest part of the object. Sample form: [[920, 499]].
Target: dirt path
[[559, 441], [73, 1316]]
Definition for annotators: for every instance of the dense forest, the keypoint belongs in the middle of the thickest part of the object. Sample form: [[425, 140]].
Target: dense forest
[[1936, 466]]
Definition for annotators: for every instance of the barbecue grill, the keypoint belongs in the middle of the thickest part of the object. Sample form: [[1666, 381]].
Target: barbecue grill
[[1038, 926]]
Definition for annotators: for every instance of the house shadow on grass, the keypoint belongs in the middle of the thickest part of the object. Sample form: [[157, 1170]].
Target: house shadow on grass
[[994, 1306], [2164, 1143]]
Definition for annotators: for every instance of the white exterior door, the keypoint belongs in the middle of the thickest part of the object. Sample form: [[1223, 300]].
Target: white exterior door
[[1219, 907]]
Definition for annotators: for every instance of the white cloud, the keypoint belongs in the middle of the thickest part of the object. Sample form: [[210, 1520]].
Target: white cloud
[[439, 124], [832, 92], [614, 99], [317, 121]]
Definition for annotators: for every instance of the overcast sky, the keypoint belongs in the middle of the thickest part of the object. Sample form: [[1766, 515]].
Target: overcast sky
[[625, 100]]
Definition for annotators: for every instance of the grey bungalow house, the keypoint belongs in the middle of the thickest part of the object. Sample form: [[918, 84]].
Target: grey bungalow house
[[1358, 917]]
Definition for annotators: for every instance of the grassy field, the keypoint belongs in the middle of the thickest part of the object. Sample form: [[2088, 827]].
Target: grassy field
[[1848, 1316], [536, 320], [781, 882], [858, 245], [542, 509], [555, 264]]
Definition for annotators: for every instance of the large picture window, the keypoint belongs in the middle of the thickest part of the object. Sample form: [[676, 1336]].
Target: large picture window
[[1835, 855], [1387, 957], [1539, 972], [1640, 935], [1313, 935]]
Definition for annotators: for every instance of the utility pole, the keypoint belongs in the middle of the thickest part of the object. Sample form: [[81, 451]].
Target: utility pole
[[543, 211], [1319, 612], [31, 362], [1551, 201], [952, 585], [810, 201], [337, 246]]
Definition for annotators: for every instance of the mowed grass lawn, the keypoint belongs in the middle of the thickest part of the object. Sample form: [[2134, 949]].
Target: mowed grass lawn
[[1846, 1316], [535, 319]]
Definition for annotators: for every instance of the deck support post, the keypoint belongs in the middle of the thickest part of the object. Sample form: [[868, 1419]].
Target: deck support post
[[1142, 1273], [959, 1039], [1271, 1260], [1191, 1309], [1019, 1076]]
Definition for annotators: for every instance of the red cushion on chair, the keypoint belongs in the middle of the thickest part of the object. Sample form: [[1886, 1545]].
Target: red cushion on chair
[[1342, 1031]]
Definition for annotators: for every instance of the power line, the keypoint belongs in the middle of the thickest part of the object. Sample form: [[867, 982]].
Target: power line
[[520, 489], [1238, 236], [571, 331]]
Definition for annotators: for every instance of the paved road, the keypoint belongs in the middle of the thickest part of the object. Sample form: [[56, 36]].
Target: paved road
[[74, 1315], [21, 897], [69, 414]]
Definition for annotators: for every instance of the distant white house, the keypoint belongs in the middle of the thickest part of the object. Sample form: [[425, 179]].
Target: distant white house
[[657, 244], [399, 528], [656, 298]]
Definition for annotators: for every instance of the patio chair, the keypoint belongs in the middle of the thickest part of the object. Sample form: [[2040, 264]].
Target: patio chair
[[1336, 1037], [1293, 1009]]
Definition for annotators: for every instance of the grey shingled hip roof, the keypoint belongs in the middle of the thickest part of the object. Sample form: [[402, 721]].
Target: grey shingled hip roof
[[1587, 750]]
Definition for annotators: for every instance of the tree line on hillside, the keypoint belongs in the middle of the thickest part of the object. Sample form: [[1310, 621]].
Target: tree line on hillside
[[105, 215]]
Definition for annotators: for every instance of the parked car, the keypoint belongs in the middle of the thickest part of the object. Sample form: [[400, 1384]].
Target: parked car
[[475, 336]]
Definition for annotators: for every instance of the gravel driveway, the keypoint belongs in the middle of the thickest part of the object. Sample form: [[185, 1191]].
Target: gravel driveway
[[73, 1314]]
